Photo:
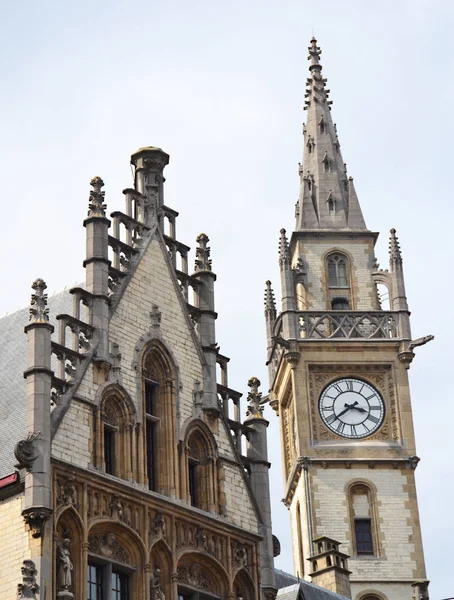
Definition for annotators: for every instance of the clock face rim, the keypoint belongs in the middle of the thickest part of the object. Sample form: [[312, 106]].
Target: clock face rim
[[351, 436]]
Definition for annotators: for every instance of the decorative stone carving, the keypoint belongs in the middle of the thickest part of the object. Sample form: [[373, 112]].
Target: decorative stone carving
[[202, 253], [413, 462], [421, 590], [254, 397], [28, 588], [116, 508], [193, 575], [67, 492], [299, 271], [39, 313], [202, 539], [155, 316], [96, 206], [36, 519], [26, 450], [108, 547], [156, 592], [159, 525], [64, 570], [240, 556]]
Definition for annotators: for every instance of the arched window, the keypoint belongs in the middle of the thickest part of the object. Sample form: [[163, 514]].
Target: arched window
[[201, 469], [159, 408], [362, 511], [337, 271], [113, 434]]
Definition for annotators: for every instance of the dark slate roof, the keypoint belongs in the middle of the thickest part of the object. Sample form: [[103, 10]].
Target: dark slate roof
[[13, 362], [306, 591], [284, 579]]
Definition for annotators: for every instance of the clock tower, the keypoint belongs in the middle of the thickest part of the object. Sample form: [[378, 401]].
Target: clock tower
[[338, 360]]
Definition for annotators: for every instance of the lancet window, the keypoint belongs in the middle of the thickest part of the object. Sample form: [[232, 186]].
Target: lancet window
[[337, 270], [113, 434], [159, 445], [362, 511], [201, 470]]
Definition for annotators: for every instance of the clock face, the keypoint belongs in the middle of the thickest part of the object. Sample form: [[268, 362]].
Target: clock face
[[351, 408]]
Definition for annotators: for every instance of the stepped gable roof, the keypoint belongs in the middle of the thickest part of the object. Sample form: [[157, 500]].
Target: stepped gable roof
[[13, 363], [303, 590]]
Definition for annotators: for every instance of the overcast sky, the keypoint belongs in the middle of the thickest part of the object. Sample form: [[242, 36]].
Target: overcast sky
[[220, 86]]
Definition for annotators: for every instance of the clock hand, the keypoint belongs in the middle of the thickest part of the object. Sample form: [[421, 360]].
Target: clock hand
[[360, 409], [348, 407]]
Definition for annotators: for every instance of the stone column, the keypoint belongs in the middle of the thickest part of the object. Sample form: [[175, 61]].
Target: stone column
[[257, 453], [97, 267], [289, 321], [33, 452], [206, 329]]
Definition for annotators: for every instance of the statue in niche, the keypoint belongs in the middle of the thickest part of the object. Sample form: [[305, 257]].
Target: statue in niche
[[156, 592], [64, 568]]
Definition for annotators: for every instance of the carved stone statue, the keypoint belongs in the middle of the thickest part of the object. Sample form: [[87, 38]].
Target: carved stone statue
[[156, 592], [64, 569]]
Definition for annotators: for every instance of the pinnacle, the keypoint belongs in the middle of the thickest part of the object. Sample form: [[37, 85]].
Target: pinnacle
[[395, 255], [270, 303], [284, 250]]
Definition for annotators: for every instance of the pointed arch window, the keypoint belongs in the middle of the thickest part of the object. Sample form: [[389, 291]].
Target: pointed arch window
[[201, 468], [159, 410], [363, 520], [337, 270], [113, 434]]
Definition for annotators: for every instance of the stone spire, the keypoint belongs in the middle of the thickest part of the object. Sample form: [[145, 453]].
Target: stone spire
[[284, 251], [270, 302], [395, 256], [328, 198]]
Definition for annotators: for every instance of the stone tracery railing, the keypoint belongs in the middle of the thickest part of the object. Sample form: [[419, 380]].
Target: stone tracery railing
[[348, 324]]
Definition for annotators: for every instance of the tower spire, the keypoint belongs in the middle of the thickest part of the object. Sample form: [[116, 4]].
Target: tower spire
[[327, 196]]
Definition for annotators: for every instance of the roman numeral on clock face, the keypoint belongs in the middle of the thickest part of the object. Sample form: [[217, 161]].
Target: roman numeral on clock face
[[337, 387], [331, 419], [374, 420]]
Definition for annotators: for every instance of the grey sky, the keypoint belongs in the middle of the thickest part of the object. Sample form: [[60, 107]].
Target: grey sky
[[220, 86]]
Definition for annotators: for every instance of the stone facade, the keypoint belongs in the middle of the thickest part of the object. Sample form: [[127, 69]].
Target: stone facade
[[133, 469]]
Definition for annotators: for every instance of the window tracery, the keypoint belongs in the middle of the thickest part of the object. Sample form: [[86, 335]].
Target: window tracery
[[201, 468]]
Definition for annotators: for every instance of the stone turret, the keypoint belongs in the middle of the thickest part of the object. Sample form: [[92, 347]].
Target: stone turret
[[328, 198], [97, 267], [257, 454], [330, 567], [270, 318], [33, 453], [149, 163], [207, 318]]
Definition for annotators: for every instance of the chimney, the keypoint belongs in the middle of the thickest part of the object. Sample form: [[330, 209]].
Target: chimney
[[329, 567]]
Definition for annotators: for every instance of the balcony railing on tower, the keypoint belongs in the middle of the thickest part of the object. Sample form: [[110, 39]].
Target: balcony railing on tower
[[348, 324]]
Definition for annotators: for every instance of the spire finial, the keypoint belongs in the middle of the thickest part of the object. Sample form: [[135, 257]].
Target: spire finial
[[202, 253], [314, 55], [395, 256], [254, 397], [96, 206], [284, 251], [39, 313], [270, 303]]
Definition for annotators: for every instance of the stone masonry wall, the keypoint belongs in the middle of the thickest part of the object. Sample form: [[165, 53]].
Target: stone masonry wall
[[361, 256], [332, 518], [13, 546]]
